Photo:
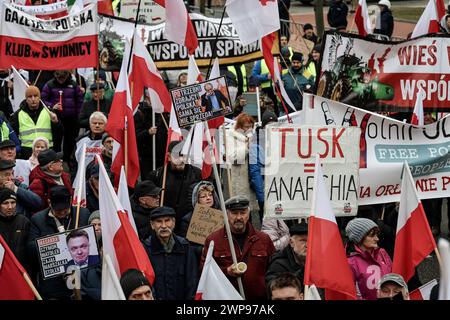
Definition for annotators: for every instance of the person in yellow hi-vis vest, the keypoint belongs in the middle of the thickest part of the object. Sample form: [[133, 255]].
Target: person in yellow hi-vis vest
[[33, 120]]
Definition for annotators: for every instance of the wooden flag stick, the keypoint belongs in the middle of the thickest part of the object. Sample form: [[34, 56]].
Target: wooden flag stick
[[438, 257], [31, 285], [230, 193], [164, 184], [126, 144]]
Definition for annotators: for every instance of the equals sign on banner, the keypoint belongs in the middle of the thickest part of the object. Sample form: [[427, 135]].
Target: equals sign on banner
[[309, 167]]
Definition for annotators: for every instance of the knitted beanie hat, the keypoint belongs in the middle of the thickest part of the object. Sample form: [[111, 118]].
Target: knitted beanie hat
[[94, 215], [32, 90], [131, 280], [6, 194], [357, 228]]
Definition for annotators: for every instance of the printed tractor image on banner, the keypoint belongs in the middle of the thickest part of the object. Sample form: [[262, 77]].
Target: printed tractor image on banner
[[289, 170], [385, 76]]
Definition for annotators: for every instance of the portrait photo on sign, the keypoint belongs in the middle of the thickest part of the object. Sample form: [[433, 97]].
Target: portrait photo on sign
[[62, 252], [202, 101]]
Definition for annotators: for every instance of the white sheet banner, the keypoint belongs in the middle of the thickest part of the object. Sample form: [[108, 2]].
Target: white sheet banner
[[385, 143], [289, 171]]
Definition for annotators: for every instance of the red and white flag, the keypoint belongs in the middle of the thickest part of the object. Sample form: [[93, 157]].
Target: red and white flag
[[362, 19], [124, 197], [417, 116], [326, 262], [67, 43], [253, 19], [194, 74], [428, 21], [145, 74], [213, 284], [12, 283], [105, 7], [423, 292], [179, 27], [414, 240], [119, 119], [79, 184], [120, 240], [111, 288]]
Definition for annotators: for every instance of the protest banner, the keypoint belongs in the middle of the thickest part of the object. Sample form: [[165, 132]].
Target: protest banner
[[169, 55], [56, 255], [289, 171], [149, 11], [385, 143], [385, 76], [93, 147], [202, 101], [45, 9], [31, 43], [204, 221]]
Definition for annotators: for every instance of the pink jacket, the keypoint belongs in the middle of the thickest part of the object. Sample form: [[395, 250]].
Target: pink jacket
[[367, 270]]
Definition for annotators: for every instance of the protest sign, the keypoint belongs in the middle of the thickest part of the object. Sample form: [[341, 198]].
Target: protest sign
[[57, 255], [31, 43], [289, 171], [385, 76], [385, 143], [204, 221], [93, 147], [251, 105], [149, 11], [169, 55], [201, 101]]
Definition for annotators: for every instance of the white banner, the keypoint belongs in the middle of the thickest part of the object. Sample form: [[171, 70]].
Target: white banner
[[50, 8], [385, 143], [289, 171]]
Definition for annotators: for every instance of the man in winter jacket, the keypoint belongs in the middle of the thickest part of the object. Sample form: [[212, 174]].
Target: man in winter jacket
[[386, 19], [26, 201], [146, 197], [49, 173], [32, 120], [172, 258], [63, 95], [97, 103], [252, 247], [14, 227], [59, 217], [337, 14]]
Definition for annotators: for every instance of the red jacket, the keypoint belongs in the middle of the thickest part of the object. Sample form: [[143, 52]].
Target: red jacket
[[256, 253], [41, 183]]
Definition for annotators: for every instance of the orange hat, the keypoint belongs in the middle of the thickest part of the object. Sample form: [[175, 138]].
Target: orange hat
[[32, 90]]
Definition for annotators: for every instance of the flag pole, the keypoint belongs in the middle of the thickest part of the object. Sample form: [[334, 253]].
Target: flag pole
[[98, 86], [215, 43], [226, 164], [126, 144], [222, 205], [132, 38], [37, 78], [31, 285], [258, 105], [164, 183], [153, 142], [78, 214]]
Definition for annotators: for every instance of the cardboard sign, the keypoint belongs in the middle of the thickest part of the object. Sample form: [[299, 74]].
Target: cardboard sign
[[289, 170], [204, 221], [201, 101], [57, 256], [149, 12]]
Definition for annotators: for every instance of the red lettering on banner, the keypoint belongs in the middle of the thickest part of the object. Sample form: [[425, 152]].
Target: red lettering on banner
[[426, 185], [283, 139], [445, 182], [336, 144], [264, 2], [388, 190], [364, 192], [422, 55], [299, 144], [325, 153]]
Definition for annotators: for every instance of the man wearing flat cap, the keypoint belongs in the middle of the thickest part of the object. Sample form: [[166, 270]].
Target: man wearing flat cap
[[49, 173], [252, 247], [172, 258], [97, 103], [14, 228], [27, 201], [32, 120], [392, 286], [60, 216], [145, 199], [293, 257]]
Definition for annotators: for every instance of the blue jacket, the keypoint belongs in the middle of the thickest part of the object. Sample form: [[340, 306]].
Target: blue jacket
[[27, 200], [292, 90], [42, 225], [176, 273], [256, 164], [256, 72]]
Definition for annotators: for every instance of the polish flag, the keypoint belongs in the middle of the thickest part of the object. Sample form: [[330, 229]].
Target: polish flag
[[267, 43], [428, 21], [440, 8], [179, 27], [326, 262], [12, 283], [414, 240], [120, 240], [194, 74], [105, 7], [362, 19], [119, 119], [79, 184], [111, 288], [424, 292], [20, 85], [124, 197], [417, 117], [213, 284], [145, 74]]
